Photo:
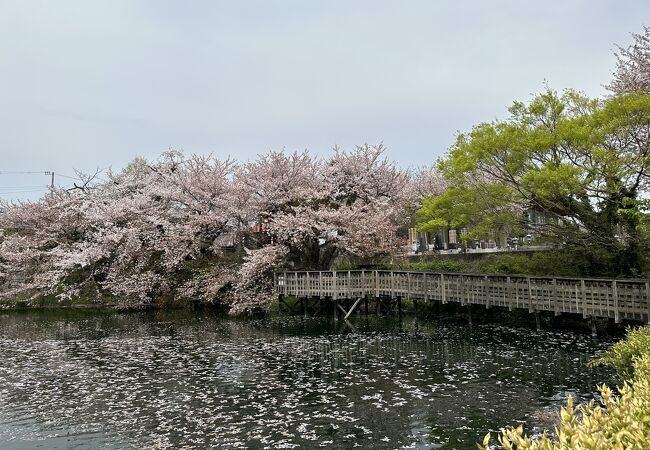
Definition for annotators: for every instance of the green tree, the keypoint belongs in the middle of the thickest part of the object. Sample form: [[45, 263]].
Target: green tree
[[583, 163]]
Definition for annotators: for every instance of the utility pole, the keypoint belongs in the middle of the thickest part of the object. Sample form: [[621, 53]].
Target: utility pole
[[13, 190], [52, 182]]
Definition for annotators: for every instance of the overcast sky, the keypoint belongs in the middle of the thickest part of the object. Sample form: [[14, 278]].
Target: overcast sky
[[91, 83]]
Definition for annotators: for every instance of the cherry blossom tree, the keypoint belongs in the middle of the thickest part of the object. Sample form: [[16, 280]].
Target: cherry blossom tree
[[131, 236], [426, 181], [354, 208], [633, 66], [154, 231]]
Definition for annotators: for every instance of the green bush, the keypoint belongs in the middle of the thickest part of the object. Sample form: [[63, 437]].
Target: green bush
[[346, 265], [620, 420], [432, 265], [567, 262], [622, 355]]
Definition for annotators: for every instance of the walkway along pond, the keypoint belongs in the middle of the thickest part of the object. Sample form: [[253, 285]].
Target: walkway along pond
[[346, 291]]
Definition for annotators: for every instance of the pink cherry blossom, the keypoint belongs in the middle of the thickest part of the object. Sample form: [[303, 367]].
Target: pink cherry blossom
[[156, 230]]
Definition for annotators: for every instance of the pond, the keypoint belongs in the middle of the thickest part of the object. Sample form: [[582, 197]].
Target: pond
[[176, 379]]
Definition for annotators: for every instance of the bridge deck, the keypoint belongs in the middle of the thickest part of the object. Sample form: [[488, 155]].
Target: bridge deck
[[591, 297]]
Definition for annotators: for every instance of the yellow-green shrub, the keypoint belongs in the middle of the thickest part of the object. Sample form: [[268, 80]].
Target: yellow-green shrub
[[622, 355], [619, 421]]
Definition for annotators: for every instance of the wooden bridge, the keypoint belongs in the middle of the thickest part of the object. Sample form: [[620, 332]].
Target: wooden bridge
[[347, 291]]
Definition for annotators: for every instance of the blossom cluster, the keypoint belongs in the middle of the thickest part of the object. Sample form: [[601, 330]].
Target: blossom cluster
[[205, 228]]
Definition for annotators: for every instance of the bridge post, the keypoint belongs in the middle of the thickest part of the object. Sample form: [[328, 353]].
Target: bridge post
[[556, 300], [592, 324], [376, 283], [469, 315], [460, 289], [408, 288], [349, 285], [617, 319], [336, 308], [286, 288], [647, 297], [583, 292], [538, 321], [425, 286], [443, 294], [296, 284], [399, 306]]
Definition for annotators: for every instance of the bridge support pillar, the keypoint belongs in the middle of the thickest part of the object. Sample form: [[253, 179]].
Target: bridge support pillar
[[592, 324], [399, 306], [538, 321], [280, 302], [469, 316], [336, 309]]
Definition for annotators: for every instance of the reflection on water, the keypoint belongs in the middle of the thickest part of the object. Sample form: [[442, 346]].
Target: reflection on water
[[182, 380]]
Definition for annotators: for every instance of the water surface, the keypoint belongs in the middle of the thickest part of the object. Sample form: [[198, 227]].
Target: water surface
[[71, 380]]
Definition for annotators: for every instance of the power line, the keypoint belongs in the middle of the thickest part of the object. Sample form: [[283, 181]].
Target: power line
[[4, 188], [67, 176], [45, 172], [22, 172], [24, 189], [30, 189], [23, 192], [21, 188]]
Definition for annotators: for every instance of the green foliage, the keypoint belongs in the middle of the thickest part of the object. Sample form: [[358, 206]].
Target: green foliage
[[136, 164], [460, 207], [346, 265], [620, 420], [623, 355], [566, 262], [275, 309], [583, 163], [432, 265]]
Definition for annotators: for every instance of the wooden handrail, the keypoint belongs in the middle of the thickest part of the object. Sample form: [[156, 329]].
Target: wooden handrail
[[595, 297]]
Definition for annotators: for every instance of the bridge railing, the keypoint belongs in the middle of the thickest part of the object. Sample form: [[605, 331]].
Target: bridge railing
[[594, 297]]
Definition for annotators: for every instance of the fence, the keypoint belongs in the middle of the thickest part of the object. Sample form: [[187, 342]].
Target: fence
[[592, 297]]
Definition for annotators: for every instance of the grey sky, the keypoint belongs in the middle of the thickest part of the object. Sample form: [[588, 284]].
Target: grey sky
[[92, 83]]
